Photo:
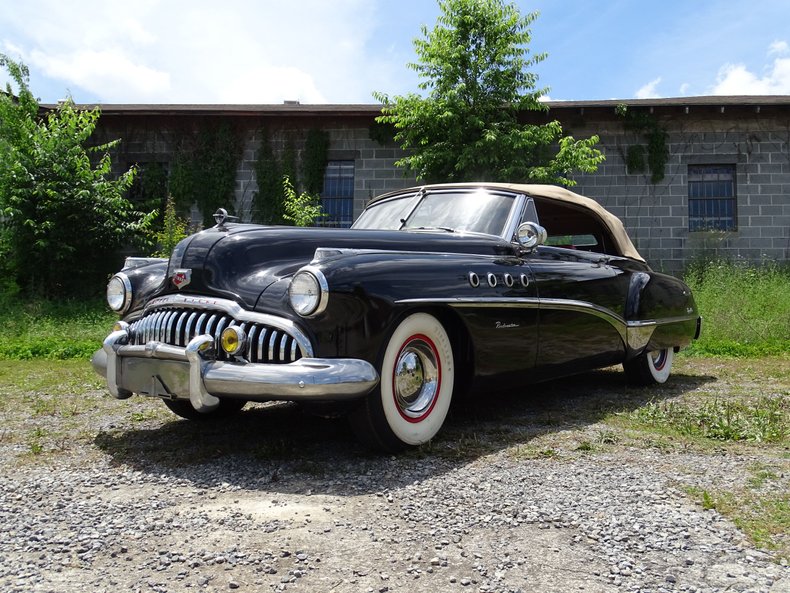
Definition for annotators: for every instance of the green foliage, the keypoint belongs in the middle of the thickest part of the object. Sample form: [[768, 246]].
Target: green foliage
[[57, 329], [204, 170], [302, 209], [174, 229], [315, 160], [268, 200], [654, 154], [766, 420], [270, 170], [474, 67], [745, 308], [149, 189], [62, 219]]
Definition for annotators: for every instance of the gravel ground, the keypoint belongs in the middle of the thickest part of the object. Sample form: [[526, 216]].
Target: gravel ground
[[108, 517]]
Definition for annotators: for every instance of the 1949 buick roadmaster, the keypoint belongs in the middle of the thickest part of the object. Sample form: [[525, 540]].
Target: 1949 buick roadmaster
[[434, 290]]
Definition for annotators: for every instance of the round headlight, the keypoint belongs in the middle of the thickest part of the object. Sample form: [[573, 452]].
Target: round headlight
[[308, 292], [119, 293]]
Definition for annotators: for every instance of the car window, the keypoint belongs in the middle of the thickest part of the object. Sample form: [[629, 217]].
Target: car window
[[587, 242], [387, 214], [476, 211]]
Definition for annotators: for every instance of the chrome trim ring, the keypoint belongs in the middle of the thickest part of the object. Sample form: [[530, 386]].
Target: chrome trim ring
[[127, 295], [524, 280], [416, 378], [508, 280], [492, 281], [474, 279], [323, 286]]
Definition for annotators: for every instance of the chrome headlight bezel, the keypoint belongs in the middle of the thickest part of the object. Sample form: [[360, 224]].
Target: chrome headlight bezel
[[308, 292], [119, 293]]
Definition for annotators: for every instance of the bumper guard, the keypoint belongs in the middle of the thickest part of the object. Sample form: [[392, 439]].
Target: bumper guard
[[173, 372]]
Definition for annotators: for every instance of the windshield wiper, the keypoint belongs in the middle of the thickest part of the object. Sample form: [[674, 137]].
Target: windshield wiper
[[446, 229]]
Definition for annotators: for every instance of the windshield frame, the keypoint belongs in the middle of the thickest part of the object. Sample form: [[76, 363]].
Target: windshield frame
[[417, 196]]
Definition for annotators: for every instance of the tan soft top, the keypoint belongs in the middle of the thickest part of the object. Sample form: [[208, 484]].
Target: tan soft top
[[560, 194]]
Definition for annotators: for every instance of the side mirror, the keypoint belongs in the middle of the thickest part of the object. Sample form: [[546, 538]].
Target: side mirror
[[530, 235]]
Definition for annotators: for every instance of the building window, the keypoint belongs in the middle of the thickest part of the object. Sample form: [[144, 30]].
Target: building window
[[712, 198], [337, 199]]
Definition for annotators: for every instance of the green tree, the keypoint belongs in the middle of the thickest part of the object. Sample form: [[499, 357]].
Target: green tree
[[62, 218], [474, 67], [302, 209]]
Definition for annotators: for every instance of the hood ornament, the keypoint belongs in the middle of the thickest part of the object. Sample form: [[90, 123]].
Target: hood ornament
[[221, 215]]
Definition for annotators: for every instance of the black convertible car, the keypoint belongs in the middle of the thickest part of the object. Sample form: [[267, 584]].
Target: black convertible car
[[433, 290]]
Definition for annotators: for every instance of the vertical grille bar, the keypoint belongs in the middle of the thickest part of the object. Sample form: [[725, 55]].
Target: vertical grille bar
[[178, 326]]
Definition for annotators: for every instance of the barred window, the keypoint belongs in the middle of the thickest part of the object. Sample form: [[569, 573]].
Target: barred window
[[337, 199], [712, 198]]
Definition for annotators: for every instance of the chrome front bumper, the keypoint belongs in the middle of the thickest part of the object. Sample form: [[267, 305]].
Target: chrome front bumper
[[161, 370]]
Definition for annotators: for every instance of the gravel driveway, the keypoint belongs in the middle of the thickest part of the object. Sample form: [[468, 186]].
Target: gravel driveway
[[278, 501]]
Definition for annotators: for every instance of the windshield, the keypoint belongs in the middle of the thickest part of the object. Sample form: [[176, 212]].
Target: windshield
[[476, 211]]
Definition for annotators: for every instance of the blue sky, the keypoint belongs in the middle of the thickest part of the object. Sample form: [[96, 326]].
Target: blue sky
[[340, 51]]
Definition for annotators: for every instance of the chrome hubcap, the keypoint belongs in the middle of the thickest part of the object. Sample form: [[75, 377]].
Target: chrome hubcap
[[416, 378], [659, 359]]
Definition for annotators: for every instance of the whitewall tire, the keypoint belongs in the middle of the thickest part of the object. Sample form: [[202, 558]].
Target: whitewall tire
[[650, 368], [417, 372]]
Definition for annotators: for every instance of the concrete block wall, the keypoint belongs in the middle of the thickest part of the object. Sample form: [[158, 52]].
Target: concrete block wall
[[656, 215], [374, 164]]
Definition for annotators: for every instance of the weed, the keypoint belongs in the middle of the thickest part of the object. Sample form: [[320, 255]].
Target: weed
[[765, 519], [745, 308], [765, 420]]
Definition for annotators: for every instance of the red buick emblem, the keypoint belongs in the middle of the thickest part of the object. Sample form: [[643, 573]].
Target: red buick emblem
[[181, 278]]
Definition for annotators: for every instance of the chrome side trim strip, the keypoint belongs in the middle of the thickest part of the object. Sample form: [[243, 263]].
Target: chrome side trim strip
[[635, 334]]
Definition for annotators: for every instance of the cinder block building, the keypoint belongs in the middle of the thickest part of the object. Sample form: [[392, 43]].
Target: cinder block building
[[692, 178]]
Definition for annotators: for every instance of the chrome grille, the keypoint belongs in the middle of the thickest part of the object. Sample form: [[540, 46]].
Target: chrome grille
[[178, 326]]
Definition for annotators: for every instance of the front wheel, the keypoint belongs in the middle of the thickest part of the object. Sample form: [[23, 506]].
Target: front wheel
[[416, 387], [183, 408], [650, 368]]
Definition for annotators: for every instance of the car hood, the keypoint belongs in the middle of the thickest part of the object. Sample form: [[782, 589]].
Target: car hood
[[242, 261]]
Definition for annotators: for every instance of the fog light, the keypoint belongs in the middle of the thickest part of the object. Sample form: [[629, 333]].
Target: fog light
[[233, 340], [120, 325]]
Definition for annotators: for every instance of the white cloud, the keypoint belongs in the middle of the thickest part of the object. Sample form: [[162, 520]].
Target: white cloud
[[648, 91], [271, 85], [737, 79], [105, 73], [778, 48], [684, 89], [199, 51]]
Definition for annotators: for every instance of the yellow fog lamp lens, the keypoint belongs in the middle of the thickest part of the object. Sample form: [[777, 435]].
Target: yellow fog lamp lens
[[233, 340], [120, 325]]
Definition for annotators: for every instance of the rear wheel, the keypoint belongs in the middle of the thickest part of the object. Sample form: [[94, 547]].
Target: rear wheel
[[650, 368], [183, 408], [416, 387]]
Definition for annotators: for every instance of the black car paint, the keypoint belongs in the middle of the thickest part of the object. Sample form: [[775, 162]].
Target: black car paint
[[384, 275]]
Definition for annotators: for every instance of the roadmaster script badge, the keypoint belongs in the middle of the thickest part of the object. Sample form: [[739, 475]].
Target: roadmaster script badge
[[181, 278]]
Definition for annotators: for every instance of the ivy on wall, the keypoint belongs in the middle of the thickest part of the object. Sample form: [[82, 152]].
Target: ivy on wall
[[651, 156], [315, 159], [273, 166], [204, 170]]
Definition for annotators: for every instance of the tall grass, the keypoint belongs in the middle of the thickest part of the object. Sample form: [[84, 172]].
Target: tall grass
[[52, 329], [745, 308]]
